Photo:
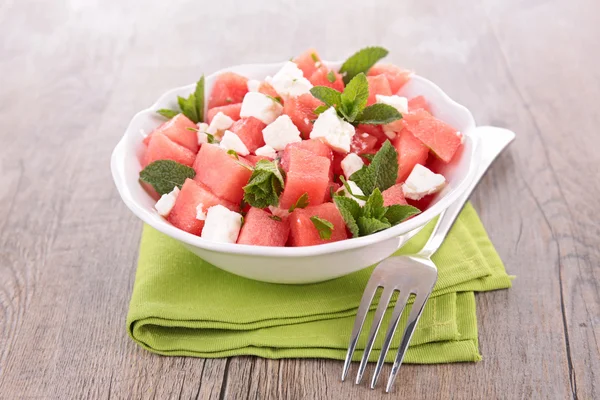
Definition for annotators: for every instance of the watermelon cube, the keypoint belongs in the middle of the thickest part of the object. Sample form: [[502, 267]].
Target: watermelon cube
[[303, 231], [301, 110], [308, 62], [163, 148], [378, 84], [395, 75], [231, 110], [221, 172], [363, 143], [441, 138], [411, 151], [373, 130], [183, 214], [418, 102], [321, 78], [260, 229], [229, 88], [307, 173], [315, 146], [178, 130], [393, 195], [249, 131]]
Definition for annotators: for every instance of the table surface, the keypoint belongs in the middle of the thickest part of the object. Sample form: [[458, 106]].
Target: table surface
[[72, 74]]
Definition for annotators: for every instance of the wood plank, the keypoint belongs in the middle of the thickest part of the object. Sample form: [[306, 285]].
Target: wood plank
[[75, 73]]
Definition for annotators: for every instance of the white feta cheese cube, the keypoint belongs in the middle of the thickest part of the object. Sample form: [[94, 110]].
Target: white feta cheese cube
[[165, 204], [200, 212], [266, 151], [219, 123], [260, 106], [281, 132], [422, 182], [334, 130], [289, 81], [231, 141], [351, 163], [398, 102], [202, 136], [221, 225], [355, 191], [253, 85]]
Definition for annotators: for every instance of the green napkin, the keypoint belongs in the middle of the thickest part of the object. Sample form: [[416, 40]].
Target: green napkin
[[182, 305]]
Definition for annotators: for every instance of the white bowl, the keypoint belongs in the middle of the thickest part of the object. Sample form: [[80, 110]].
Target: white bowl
[[294, 264]]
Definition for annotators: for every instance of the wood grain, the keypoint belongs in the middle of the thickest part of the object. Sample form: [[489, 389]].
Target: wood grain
[[73, 74]]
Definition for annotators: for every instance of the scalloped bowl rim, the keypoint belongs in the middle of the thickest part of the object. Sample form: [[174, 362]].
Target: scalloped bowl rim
[[121, 152]]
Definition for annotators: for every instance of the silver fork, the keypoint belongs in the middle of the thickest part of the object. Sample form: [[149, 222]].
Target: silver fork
[[414, 274]]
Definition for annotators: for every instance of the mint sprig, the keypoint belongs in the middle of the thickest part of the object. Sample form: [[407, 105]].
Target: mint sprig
[[361, 61], [265, 185], [331, 76], [192, 106], [324, 227], [351, 104], [381, 173], [164, 175], [302, 202], [373, 216]]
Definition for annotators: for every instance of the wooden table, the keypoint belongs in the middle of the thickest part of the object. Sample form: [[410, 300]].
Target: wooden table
[[72, 74]]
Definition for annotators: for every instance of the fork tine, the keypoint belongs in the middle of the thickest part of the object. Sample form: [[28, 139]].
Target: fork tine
[[384, 301], [413, 319], [361, 314], [398, 309]]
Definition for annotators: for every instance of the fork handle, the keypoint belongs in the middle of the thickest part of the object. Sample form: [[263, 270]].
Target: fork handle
[[493, 140]]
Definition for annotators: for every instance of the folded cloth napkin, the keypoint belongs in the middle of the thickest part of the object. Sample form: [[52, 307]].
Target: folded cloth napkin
[[182, 305]]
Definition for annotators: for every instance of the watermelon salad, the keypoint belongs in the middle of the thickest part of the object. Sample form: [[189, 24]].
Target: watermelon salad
[[308, 156]]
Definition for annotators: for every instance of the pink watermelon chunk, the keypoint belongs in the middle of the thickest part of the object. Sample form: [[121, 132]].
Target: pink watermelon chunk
[[393, 195], [378, 84], [373, 130], [231, 110], [183, 214], [260, 229], [307, 173], [303, 231], [308, 62], [418, 102], [301, 110], [440, 137], [163, 148], [229, 88], [250, 132], [363, 143], [177, 130], [411, 151], [221, 172], [395, 75], [320, 78], [315, 146]]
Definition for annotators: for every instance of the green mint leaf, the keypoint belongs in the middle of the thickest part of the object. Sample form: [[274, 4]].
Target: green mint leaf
[[167, 113], [265, 185], [302, 202], [381, 173], [374, 208], [350, 211], [275, 218], [327, 95], [233, 153], [399, 212], [355, 96], [323, 226], [164, 175], [331, 76], [321, 109], [378, 114], [188, 107], [199, 99], [314, 57], [210, 138], [275, 99], [361, 61], [368, 226]]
